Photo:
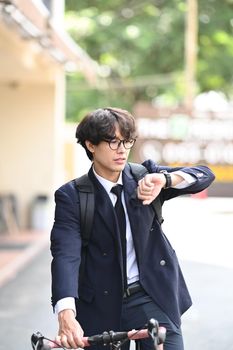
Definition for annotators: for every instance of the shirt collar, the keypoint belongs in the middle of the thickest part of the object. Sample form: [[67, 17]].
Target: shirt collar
[[106, 183]]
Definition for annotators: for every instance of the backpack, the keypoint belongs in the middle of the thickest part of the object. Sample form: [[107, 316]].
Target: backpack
[[87, 201]]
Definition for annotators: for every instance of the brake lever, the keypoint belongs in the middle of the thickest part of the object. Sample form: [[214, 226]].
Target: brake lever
[[37, 341], [153, 330]]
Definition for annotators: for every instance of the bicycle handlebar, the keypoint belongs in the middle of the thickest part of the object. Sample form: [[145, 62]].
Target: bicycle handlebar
[[158, 334]]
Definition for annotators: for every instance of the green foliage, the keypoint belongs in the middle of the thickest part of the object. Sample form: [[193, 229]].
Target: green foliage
[[216, 46], [81, 99], [138, 42]]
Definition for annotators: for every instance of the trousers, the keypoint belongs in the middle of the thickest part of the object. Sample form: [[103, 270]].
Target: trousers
[[137, 310]]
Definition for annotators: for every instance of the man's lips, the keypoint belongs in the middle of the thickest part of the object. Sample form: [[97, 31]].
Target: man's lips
[[119, 160]]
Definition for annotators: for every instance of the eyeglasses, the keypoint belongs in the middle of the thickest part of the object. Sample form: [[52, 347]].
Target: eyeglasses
[[114, 144]]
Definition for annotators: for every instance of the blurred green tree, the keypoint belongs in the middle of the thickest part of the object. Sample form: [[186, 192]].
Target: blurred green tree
[[139, 48]]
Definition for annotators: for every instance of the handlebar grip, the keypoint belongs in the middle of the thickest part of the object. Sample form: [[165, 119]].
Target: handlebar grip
[[48, 345], [143, 333]]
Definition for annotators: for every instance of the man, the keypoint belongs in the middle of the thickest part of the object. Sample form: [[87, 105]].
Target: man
[[128, 277]]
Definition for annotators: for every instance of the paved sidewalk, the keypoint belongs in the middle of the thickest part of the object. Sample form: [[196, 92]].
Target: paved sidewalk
[[17, 250]]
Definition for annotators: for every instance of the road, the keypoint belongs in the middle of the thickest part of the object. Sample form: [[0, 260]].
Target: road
[[25, 305], [203, 240]]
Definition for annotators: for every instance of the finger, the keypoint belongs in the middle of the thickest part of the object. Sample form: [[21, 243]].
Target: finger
[[147, 181], [144, 195], [64, 342], [78, 341], [147, 198], [147, 202], [58, 339], [69, 342], [148, 184], [146, 190], [72, 343]]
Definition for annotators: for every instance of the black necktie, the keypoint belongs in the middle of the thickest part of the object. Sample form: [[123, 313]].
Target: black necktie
[[120, 213]]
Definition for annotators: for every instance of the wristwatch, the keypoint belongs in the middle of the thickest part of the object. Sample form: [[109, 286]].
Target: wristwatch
[[168, 178]]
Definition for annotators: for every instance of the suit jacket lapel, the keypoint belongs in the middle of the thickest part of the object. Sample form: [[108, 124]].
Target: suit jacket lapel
[[104, 208], [133, 204]]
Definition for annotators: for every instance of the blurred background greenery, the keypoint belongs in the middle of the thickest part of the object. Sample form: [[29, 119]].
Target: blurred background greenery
[[139, 49]]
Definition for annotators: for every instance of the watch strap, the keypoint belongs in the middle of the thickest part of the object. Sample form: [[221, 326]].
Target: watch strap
[[168, 179]]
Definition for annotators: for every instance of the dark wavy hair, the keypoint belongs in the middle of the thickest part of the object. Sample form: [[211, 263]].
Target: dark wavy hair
[[100, 125]]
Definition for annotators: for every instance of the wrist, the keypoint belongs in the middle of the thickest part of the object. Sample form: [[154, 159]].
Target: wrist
[[66, 312]]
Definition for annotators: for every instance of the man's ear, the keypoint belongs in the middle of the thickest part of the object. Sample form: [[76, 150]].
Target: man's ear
[[90, 146]]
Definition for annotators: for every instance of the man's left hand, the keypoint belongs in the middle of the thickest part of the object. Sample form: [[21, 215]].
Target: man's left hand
[[150, 186]]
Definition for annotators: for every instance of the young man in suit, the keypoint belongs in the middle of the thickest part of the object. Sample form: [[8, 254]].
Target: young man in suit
[[131, 272]]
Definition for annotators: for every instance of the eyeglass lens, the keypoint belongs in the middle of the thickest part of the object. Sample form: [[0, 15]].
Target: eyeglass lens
[[115, 144]]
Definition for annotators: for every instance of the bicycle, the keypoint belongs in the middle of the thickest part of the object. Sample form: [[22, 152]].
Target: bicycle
[[114, 339]]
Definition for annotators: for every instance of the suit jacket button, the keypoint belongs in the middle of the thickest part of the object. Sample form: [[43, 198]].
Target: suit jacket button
[[104, 254], [162, 262], [152, 229], [106, 292]]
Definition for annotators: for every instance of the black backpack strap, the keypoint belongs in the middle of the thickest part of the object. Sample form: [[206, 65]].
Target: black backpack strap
[[158, 209], [87, 206], [139, 171]]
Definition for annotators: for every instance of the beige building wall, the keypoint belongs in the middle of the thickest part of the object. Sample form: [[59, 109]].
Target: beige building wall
[[31, 153]]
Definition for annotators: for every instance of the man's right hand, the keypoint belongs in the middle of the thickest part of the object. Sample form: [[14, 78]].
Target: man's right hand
[[70, 332]]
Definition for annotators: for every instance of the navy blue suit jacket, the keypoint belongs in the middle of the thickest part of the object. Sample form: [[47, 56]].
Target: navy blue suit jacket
[[99, 295]]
